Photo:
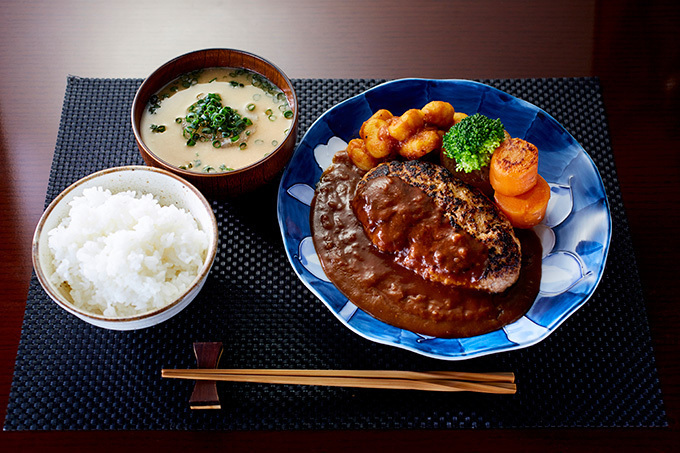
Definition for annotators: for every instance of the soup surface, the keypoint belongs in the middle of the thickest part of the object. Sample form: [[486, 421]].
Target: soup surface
[[182, 122], [374, 282]]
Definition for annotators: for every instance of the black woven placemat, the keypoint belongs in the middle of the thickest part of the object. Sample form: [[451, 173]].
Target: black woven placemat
[[596, 370]]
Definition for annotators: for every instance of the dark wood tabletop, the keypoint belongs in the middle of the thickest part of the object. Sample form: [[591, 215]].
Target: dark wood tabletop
[[632, 46]]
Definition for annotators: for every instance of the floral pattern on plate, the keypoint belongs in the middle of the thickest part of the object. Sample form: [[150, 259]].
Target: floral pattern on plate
[[575, 233]]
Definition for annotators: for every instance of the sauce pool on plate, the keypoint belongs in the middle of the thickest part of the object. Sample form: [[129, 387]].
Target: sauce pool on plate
[[216, 120], [399, 296]]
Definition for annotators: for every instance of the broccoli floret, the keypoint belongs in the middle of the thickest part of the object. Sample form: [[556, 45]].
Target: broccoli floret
[[472, 141]]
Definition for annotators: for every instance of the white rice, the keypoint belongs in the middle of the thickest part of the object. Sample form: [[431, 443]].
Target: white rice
[[124, 254]]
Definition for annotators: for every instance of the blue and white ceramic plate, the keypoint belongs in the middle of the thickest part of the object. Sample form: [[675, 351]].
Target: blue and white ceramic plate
[[575, 233]]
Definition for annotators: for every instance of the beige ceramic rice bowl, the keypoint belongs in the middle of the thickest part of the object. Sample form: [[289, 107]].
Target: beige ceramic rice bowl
[[168, 249]]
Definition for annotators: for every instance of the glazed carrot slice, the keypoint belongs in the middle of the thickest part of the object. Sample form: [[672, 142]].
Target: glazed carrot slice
[[514, 167], [528, 209]]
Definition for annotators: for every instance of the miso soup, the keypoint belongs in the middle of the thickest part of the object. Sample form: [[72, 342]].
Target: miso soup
[[216, 120]]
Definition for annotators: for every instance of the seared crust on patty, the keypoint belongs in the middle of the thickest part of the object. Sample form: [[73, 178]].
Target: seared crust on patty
[[466, 208]]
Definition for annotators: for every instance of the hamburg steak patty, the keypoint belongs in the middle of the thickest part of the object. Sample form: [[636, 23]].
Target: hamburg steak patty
[[437, 226]]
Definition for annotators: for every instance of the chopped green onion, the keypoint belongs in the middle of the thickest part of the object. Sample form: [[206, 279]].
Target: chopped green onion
[[275, 142], [158, 129], [243, 145], [250, 107], [288, 114], [213, 120], [272, 117], [217, 144], [154, 103]]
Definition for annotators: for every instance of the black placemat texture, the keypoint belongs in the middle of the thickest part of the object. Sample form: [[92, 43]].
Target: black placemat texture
[[596, 370]]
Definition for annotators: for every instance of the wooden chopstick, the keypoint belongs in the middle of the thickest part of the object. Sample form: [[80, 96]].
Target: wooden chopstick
[[442, 381], [395, 374]]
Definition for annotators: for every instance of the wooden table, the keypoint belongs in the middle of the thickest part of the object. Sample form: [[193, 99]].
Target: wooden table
[[631, 47]]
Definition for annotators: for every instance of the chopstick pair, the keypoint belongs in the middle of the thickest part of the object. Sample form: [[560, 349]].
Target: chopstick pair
[[439, 381]]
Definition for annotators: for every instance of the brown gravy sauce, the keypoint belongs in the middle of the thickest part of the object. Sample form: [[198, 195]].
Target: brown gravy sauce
[[375, 282], [403, 221]]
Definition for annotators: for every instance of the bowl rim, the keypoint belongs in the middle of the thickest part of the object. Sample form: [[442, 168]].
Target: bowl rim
[[137, 100], [71, 308]]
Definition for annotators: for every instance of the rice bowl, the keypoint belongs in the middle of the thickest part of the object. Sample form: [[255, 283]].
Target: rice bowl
[[123, 254], [125, 248]]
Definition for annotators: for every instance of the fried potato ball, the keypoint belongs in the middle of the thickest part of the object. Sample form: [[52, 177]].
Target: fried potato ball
[[382, 114], [439, 113], [422, 143], [412, 135], [356, 150], [406, 125], [379, 143], [377, 119], [458, 116]]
